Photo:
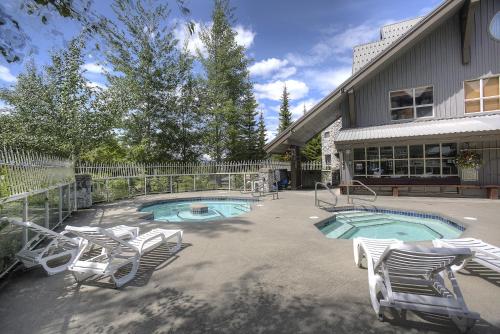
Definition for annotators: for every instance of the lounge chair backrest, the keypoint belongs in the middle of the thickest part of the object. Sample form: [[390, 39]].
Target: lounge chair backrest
[[409, 260], [103, 238], [45, 232]]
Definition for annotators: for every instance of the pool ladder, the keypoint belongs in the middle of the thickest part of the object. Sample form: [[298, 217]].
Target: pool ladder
[[318, 201]]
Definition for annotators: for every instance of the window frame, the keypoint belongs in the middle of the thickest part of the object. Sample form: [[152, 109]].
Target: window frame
[[414, 106], [409, 173], [481, 97]]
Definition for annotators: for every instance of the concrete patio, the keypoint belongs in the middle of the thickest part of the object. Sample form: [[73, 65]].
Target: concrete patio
[[268, 271]]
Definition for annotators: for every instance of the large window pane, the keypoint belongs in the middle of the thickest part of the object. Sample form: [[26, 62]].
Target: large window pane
[[386, 167], [417, 166], [423, 96], [401, 98], [432, 150], [372, 167], [424, 111], [490, 87], [449, 150], [372, 153], [405, 113], [416, 151], [386, 152], [432, 167], [359, 154], [472, 89], [401, 167], [449, 167], [491, 104], [472, 106], [401, 152], [359, 168]]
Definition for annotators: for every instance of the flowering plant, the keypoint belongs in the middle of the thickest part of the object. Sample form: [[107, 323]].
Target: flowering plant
[[468, 159]]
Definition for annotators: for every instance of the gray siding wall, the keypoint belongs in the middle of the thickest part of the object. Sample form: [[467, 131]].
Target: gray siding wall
[[489, 172], [436, 61]]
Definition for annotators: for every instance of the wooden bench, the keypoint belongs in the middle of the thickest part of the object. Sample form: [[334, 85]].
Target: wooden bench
[[491, 190]]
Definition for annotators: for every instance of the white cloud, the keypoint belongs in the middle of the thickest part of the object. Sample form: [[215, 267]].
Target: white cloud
[[244, 37], [94, 68], [285, 72], [337, 43], [267, 66], [273, 90], [6, 75], [298, 108], [327, 80]]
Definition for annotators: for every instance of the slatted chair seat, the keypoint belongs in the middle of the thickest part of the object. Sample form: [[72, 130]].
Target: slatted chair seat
[[484, 253], [407, 277], [61, 248], [117, 253]]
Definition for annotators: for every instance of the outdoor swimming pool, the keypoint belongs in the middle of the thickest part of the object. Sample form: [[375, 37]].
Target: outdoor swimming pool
[[198, 209], [389, 224]]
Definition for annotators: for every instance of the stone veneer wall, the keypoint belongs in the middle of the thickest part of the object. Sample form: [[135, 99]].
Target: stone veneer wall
[[328, 145]]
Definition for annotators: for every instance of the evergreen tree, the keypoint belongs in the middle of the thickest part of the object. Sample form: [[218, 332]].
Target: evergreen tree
[[285, 116], [261, 141], [56, 111], [250, 135], [227, 86], [143, 83], [312, 149]]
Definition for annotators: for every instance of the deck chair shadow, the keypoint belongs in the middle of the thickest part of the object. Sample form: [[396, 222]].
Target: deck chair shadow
[[61, 248], [400, 276], [117, 253]]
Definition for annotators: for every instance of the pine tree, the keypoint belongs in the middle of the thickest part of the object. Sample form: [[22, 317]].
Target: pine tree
[[312, 150], [285, 116], [250, 136], [143, 55], [261, 141], [226, 85]]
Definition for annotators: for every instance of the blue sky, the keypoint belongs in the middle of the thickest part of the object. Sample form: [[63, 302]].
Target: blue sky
[[305, 44]]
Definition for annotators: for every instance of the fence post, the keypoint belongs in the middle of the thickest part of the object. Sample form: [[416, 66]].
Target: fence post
[[229, 177], [60, 204], [75, 198], [244, 182], [194, 182], [69, 199], [25, 218], [106, 187], [128, 186], [171, 185], [47, 210], [145, 185]]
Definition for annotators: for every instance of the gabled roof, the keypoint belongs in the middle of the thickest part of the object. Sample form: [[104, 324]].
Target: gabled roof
[[484, 124], [325, 112]]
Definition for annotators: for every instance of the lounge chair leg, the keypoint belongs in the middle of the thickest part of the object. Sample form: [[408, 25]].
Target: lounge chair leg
[[464, 324], [59, 269], [119, 282], [358, 253]]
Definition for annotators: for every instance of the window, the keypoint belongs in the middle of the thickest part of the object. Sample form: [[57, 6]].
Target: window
[[328, 159], [495, 27], [482, 95], [412, 103], [326, 134], [406, 160]]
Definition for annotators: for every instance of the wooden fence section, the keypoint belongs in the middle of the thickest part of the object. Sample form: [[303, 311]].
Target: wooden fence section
[[23, 172]]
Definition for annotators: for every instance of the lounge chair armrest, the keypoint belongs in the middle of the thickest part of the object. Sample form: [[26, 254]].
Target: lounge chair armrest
[[149, 239]]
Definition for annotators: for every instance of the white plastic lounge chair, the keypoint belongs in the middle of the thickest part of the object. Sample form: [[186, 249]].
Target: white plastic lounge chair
[[59, 247], [373, 248], [407, 277], [117, 253], [484, 253]]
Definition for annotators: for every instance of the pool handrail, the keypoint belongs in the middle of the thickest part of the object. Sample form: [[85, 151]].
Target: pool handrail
[[317, 201], [350, 198]]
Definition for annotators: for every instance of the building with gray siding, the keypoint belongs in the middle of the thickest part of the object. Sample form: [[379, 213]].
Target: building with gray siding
[[424, 94]]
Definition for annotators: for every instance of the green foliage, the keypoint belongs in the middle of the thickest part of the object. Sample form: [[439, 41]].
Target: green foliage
[[228, 100], [4, 185], [312, 150], [468, 159], [261, 138], [285, 115], [56, 111]]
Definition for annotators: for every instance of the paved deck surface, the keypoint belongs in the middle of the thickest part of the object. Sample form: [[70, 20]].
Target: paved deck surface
[[268, 271]]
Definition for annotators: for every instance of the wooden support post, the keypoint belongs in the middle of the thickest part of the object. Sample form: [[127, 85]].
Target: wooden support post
[[467, 28], [492, 192], [296, 168]]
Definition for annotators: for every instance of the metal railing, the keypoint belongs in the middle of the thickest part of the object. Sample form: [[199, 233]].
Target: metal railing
[[318, 201], [350, 198]]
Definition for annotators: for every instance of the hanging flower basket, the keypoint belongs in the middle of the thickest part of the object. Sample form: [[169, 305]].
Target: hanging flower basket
[[468, 160]]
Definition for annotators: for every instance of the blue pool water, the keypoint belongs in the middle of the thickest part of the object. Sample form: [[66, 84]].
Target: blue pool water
[[382, 225], [180, 211]]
